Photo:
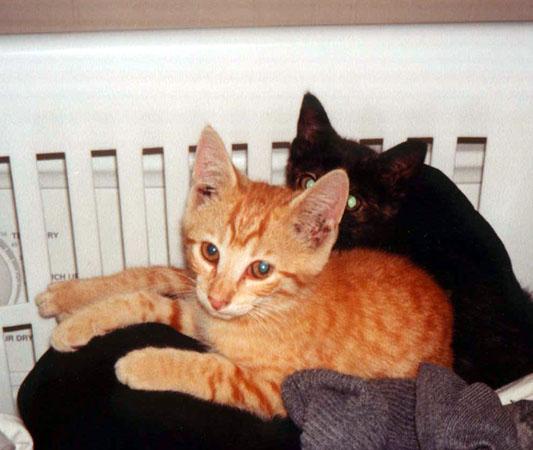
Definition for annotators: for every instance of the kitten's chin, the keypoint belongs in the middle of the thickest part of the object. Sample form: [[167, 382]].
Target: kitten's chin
[[224, 315], [221, 315]]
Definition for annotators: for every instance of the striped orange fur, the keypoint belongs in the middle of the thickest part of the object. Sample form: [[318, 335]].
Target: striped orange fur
[[264, 291]]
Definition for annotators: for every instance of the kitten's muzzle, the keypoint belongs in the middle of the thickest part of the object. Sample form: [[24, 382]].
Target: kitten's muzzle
[[217, 304]]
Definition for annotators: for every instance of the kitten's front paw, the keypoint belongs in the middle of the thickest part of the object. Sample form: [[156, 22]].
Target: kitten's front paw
[[136, 370], [73, 333], [46, 304], [56, 300]]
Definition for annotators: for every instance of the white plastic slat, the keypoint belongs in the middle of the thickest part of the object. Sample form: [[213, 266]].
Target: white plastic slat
[[33, 243], [21, 314], [15, 315], [507, 188], [27, 313], [176, 166], [30, 221], [392, 138], [7, 405], [132, 203], [83, 212], [260, 155], [443, 152]]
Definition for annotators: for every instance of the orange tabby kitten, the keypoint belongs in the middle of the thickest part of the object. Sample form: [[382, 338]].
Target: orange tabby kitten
[[264, 294]]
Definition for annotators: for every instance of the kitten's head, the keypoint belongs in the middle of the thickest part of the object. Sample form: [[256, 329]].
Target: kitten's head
[[249, 242], [378, 181]]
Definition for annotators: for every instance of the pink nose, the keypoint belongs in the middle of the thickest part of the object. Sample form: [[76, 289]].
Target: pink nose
[[217, 304]]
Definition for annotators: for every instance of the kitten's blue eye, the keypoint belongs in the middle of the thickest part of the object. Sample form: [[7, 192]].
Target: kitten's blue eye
[[309, 183], [260, 269], [352, 202], [210, 252]]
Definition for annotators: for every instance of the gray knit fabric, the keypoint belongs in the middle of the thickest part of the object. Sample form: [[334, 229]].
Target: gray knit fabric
[[522, 414], [451, 414], [437, 411]]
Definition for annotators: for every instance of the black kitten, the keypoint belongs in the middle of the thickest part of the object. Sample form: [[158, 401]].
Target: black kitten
[[400, 205]]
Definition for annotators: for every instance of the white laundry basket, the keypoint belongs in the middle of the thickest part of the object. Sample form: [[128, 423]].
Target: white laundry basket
[[97, 132]]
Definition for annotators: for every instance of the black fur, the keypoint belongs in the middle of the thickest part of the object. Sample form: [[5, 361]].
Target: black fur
[[413, 209]]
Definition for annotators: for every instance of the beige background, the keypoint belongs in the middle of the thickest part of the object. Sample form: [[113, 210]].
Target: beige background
[[33, 16]]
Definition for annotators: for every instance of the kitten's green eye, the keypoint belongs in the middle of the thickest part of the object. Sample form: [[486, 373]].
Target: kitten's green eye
[[352, 202], [210, 252], [307, 181], [260, 269]]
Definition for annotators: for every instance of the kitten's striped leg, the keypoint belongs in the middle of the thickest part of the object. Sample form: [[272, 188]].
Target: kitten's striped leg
[[120, 311], [208, 376], [62, 299]]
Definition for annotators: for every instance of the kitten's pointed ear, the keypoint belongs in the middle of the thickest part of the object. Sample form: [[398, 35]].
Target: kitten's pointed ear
[[313, 122], [401, 163], [319, 209], [213, 170]]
